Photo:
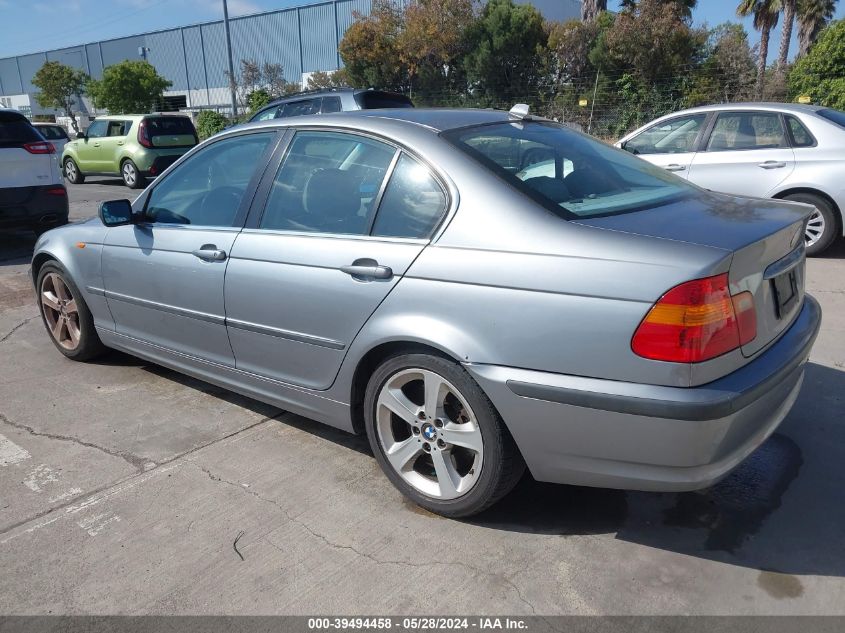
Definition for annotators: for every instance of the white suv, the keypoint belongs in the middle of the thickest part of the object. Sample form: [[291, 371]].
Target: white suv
[[32, 194]]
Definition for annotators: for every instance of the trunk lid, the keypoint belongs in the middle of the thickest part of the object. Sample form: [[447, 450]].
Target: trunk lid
[[765, 238]]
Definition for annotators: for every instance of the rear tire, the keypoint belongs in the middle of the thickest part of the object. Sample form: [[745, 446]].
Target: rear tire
[[65, 314], [132, 178], [72, 173], [449, 451], [823, 227]]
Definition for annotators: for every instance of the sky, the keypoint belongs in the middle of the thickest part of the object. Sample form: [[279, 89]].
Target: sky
[[28, 26]]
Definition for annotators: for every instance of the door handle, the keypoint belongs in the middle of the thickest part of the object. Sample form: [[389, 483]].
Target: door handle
[[363, 269], [96, 144], [772, 164], [120, 142], [209, 253], [674, 167]]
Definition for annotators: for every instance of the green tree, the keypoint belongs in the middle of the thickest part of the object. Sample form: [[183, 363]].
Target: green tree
[[209, 123], [788, 7], [729, 70], [370, 49], [765, 13], [686, 6], [60, 87], [320, 80], [507, 47], [818, 74], [257, 99], [128, 87], [813, 16], [590, 9]]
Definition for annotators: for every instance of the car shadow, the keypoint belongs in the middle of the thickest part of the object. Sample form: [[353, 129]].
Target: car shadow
[[780, 511], [16, 247]]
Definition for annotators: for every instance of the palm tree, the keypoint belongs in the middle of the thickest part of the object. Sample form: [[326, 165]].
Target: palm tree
[[786, 33], [765, 14], [813, 16], [590, 9]]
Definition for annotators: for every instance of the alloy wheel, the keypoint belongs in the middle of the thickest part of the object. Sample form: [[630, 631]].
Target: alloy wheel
[[429, 434], [70, 170], [60, 311], [815, 228], [129, 175]]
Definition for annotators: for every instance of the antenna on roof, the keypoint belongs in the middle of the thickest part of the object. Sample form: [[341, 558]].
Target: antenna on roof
[[520, 111]]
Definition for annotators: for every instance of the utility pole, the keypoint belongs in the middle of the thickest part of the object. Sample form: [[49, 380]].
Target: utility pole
[[229, 57]]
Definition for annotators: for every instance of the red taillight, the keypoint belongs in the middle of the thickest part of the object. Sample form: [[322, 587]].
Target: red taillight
[[40, 147], [143, 134], [56, 191], [696, 321]]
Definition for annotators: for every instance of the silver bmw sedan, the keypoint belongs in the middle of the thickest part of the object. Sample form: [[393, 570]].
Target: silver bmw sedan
[[401, 273]]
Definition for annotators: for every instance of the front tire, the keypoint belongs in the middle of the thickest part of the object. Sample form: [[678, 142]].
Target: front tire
[[132, 178], [66, 315], [437, 436], [72, 173], [822, 227]]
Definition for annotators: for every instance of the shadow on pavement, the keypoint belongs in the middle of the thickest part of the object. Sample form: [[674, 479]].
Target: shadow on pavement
[[16, 247], [780, 511]]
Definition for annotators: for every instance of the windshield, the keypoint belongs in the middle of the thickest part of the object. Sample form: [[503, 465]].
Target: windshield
[[836, 116], [569, 173]]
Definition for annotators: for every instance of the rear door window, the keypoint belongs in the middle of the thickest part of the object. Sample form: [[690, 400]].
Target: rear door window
[[331, 104], [412, 204], [747, 130], [328, 183], [301, 108], [117, 128]]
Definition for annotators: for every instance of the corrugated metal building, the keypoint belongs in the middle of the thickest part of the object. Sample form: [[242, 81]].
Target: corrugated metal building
[[303, 39]]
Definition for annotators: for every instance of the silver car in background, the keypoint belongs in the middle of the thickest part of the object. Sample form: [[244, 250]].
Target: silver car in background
[[766, 150], [397, 273]]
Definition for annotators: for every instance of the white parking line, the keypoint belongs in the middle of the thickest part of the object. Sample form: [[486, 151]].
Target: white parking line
[[11, 453]]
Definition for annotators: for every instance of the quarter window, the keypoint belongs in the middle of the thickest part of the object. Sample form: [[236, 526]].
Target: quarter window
[[328, 183], [412, 204], [675, 136], [207, 189], [747, 130], [800, 135]]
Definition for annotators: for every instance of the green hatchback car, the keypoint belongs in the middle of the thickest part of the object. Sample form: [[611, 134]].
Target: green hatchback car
[[133, 146]]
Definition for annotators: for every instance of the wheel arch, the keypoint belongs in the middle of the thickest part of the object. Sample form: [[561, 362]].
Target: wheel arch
[[370, 361], [780, 195]]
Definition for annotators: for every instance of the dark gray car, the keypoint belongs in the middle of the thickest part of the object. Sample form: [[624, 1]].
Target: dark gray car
[[396, 272], [329, 101]]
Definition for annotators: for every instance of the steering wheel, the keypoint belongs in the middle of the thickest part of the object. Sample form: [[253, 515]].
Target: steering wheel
[[220, 206]]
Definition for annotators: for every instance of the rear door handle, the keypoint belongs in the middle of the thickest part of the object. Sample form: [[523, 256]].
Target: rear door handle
[[674, 167], [210, 253], [363, 269], [772, 164], [120, 142], [96, 144]]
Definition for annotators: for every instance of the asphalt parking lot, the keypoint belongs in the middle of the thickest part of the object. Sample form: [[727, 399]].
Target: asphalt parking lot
[[124, 486]]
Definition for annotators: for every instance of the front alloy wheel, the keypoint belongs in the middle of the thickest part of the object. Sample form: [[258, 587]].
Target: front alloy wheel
[[66, 315], [60, 311]]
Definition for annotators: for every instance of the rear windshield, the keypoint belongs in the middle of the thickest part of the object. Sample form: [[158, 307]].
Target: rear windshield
[[374, 99], [837, 116], [15, 130], [571, 174], [170, 126], [52, 132]]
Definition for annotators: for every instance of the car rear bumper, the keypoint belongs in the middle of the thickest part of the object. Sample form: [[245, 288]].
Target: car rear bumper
[[33, 207], [612, 434], [159, 164]]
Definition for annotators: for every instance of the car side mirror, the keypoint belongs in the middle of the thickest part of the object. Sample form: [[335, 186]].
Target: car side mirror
[[80, 136], [116, 212]]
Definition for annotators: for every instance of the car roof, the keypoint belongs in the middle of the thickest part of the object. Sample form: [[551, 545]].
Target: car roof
[[437, 119], [754, 105]]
